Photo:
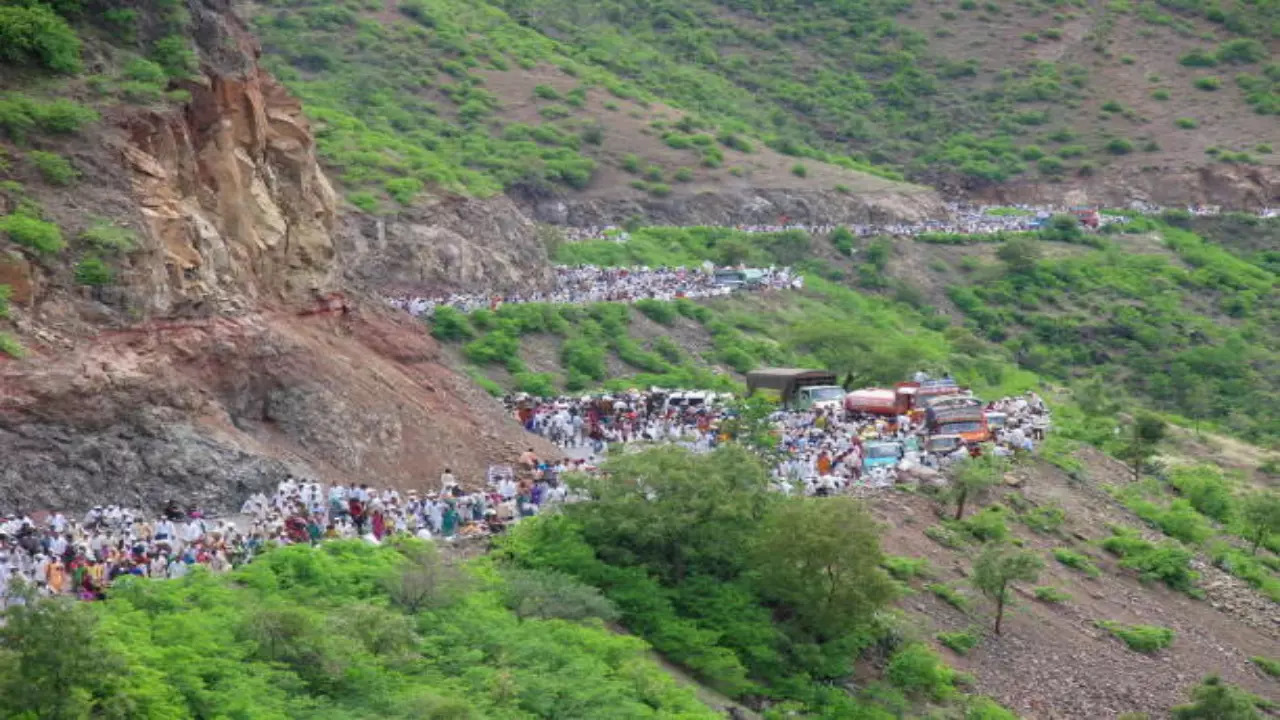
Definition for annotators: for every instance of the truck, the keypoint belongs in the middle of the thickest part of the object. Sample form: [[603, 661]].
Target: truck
[[1087, 216], [798, 389], [969, 422], [906, 398], [882, 454]]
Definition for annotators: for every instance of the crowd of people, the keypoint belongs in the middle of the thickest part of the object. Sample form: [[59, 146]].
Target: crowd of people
[[80, 557], [961, 218], [583, 284], [818, 451]]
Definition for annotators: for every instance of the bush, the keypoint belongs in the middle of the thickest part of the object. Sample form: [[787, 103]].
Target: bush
[[983, 708], [41, 236], [175, 55], [684, 174], [550, 594], [1208, 82], [1268, 665], [1119, 146], [1160, 94], [1241, 51], [36, 35], [944, 536], [92, 271], [450, 324], [799, 170], [1078, 561], [663, 313], [987, 526], [55, 169], [10, 346], [960, 642], [1051, 594], [1187, 123], [495, 348], [106, 237], [1142, 638], [536, 384], [1045, 520], [6, 292], [1165, 562], [949, 595], [919, 671], [546, 92], [145, 71], [1198, 58], [905, 568]]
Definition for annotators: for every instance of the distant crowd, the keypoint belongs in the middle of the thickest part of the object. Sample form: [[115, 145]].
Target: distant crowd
[[582, 284]]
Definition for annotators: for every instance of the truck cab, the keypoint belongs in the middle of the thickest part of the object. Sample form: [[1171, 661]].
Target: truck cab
[[882, 454], [827, 397]]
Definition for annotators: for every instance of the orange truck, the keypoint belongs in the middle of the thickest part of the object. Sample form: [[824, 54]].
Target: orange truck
[[906, 398]]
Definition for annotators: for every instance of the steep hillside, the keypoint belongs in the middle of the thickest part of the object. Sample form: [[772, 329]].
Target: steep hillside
[[967, 94], [172, 319], [419, 97]]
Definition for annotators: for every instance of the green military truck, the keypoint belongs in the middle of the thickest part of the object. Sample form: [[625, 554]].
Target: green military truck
[[798, 389]]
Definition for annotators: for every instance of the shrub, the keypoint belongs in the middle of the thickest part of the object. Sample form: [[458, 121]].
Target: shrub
[[1216, 700], [984, 708], [663, 313], [55, 169], [34, 34], [1045, 519], [1051, 594], [6, 292], [1075, 560], [631, 163], [145, 71], [799, 170], [905, 568], [10, 346], [1208, 82], [842, 239], [450, 324], [960, 642], [536, 384], [107, 237], [987, 526], [659, 189], [684, 174], [1112, 106], [41, 236], [1051, 165], [364, 200], [484, 383], [546, 92], [92, 271], [944, 536], [1241, 51], [949, 595], [1166, 562], [1268, 665], [1186, 123], [1160, 94], [175, 55], [1119, 146], [550, 594], [1142, 638], [495, 348], [919, 671], [1198, 58]]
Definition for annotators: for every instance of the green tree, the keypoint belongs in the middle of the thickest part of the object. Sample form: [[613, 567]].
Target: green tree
[[1020, 255], [32, 33], [1213, 699], [1141, 440], [1197, 401], [1260, 514], [1000, 565], [820, 558], [972, 477], [676, 512]]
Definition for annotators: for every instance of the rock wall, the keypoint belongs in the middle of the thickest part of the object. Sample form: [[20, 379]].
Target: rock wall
[[737, 207]]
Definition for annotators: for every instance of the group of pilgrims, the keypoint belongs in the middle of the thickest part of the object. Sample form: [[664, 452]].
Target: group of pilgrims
[[817, 451]]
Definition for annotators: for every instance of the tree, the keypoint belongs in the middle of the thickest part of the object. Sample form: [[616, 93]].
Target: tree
[[1216, 700], [676, 512], [1019, 254], [972, 478], [1260, 513], [1143, 436], [820, 558], [1000, 565], [423, 580], [1197, 401]]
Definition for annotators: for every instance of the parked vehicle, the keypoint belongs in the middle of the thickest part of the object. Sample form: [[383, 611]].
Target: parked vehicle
[[970, 423], [996, 420], [943, 444], [882, 454], [797, 388]]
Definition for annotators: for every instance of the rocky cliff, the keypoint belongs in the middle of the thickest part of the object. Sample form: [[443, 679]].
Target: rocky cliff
[[235, 348]]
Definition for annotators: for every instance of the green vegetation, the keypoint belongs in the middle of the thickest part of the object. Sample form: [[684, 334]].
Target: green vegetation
[[343, 630], [6, 292], [997, 567], [1077, 561], [10, 346], [974, 478], [43, 237], [1213, 699], [961, 642], [55, 169], [1122, 327], [1166, 562], [1187, 123], [704, 567], [21, 116], [1053, 595], [1046, 520], [1269, 666], [1141, 638], [92, 271], [950, 596], [33, 34], [906, 568]]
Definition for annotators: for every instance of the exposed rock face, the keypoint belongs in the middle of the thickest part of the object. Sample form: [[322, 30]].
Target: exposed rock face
[[1238, 187], [453, 243], [740, 207], [220, 363]]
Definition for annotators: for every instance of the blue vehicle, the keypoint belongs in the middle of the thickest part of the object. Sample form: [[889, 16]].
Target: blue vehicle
[[882, 454]]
